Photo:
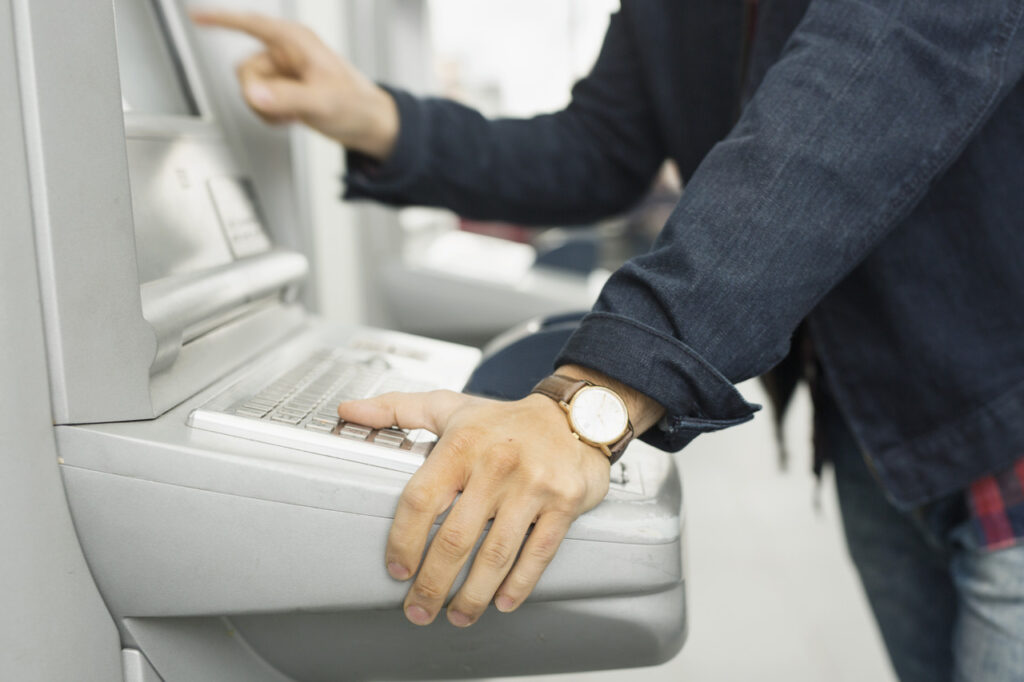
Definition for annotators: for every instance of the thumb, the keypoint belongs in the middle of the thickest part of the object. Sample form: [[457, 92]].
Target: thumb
[[430, 411], [277, 98]]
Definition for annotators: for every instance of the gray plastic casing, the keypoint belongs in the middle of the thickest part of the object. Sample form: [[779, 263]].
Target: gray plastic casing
[[194, 534], [111, 340], [53, 624]]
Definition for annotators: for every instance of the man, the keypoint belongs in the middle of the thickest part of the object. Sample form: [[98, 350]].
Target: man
[[872, 185]]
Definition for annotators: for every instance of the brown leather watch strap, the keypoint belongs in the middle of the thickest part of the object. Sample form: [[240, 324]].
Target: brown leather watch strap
[[619, 447], [559, 388]]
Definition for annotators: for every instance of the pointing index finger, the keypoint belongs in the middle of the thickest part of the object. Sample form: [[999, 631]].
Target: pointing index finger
[[429, 411], [267, 29]]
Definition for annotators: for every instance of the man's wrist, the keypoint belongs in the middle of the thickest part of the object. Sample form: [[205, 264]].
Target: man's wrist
[[643, 412], [381, 126]]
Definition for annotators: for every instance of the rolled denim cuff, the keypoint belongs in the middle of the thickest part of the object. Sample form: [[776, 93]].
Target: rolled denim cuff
[[696, 397], [369, 178]]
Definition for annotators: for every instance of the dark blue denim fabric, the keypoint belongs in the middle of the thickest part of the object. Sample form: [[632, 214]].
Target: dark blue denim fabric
[[874, 183], [666, 84]]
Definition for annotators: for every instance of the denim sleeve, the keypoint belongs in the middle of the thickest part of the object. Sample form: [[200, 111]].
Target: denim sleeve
[[593, 159], [868, 104]]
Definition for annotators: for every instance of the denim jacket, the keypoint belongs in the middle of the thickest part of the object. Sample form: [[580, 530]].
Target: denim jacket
[[873, 184]]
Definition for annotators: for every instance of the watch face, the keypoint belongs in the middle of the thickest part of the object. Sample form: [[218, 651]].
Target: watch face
[[598, 415]]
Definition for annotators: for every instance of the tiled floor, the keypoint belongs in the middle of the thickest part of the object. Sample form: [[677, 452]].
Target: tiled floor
[[773, 595]]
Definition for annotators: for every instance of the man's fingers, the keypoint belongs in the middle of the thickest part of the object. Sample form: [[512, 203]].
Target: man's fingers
[[449, 549], [428, 493], [274, 98], [260, 65], [493, 561], [289, 45], [480, 453], [429, 411], [537, 553], [269, 30]]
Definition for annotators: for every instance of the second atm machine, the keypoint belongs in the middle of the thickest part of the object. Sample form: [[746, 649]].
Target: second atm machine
[[234, 532]]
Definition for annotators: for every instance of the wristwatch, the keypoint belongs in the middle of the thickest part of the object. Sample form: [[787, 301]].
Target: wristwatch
[[597, 415]]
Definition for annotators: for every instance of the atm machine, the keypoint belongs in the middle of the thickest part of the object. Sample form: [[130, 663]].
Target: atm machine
[[232, 530]]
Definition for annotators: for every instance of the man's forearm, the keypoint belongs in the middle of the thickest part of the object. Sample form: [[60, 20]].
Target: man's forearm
[[593, 159], [846, 132]]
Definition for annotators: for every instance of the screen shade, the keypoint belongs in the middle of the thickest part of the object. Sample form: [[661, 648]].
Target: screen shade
[[152, 78]]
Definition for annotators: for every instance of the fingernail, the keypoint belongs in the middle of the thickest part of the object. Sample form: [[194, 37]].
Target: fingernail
[[504, 604], [260, 95], [417, 614], [398, 571], [458, 619]]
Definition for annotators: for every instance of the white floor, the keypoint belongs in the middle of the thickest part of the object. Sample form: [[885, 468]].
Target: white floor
[[773, 595]]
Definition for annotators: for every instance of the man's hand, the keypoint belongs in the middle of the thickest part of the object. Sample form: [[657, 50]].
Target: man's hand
[[298, 78], [514, 462]]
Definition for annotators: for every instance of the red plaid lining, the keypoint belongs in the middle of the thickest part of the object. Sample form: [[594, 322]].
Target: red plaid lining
[[997, 507]]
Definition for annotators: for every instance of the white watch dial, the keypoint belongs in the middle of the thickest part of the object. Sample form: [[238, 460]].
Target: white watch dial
[[598, 414]]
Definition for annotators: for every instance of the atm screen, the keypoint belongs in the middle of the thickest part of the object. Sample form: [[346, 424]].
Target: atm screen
[[192, 205], [152, 78]]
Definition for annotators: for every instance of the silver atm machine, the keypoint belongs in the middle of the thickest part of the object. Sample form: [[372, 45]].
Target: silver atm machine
[[232, 527]]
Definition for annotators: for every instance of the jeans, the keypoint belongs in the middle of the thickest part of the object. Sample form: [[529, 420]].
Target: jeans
[[947, 608]]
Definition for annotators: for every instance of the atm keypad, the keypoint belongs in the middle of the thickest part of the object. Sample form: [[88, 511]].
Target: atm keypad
[[307, 397]]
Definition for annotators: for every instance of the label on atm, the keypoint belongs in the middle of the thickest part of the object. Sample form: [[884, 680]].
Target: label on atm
[[239, 215]]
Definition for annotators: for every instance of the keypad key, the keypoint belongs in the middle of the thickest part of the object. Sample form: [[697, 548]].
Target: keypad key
[[247, 412], [388, 439], [287, 411], [355, 431], [331, 423]]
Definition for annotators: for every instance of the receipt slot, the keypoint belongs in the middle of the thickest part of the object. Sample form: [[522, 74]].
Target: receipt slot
[[228, 535]]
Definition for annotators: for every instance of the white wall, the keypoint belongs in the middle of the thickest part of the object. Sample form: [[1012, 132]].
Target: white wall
[[516, 57]]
